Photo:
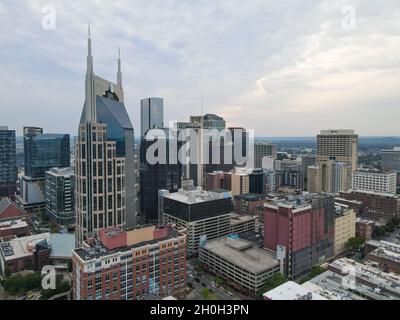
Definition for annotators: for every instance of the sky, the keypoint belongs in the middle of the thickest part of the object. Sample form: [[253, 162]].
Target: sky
[[282, 68]]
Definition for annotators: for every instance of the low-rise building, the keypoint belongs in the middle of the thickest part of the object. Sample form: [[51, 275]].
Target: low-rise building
[[292, 291], [364, 228], [386, 254], [35, 251], [379, 207], [244, 265], [375, 181], [345, 227], [247, 204], [129, 265], [19, 228]]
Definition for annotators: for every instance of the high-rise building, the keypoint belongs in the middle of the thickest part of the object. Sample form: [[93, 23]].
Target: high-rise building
[[240, 181], [307, 161], [375, 181], [391, 159], [329, 176], [105, 178], [338, 145], [256, 181], [45, 151], [130, 265], [262, 150], [60, 195], [301, 227], [158, 176], [151, 114], [345, 227], [8, 166], [205, 215]]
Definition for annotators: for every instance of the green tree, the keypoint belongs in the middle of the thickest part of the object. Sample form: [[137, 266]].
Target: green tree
[[218, 281], [379, 232], [315, 271], [19, 284], [277, 280], [7, 271], [354, 243]]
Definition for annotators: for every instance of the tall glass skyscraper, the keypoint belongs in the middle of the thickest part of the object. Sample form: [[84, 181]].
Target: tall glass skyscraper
[[8, 166], [104, 168], [151, 114], [44, 151]]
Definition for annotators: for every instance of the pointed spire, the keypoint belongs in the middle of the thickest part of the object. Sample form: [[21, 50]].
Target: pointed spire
[[119, 74], [89, 57]]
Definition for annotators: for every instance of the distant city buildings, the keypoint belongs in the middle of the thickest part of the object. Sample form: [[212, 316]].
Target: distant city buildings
[[338, 145], [261, 150], [8, 165], [391, 159]]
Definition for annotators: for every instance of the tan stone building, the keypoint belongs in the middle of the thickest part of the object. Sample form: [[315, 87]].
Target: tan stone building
[[345, 227]]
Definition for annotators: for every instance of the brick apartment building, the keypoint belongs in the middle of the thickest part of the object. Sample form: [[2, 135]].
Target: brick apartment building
[[128, 265], [379, 207], [247, 204]]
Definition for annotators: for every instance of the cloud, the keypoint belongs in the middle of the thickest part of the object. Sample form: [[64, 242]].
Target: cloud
[[281, 68]]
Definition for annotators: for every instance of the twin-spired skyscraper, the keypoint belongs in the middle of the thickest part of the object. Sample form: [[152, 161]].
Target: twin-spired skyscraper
[[104, 160]]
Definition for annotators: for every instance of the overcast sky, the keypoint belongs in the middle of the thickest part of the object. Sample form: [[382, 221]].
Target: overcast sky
[[283, 68]]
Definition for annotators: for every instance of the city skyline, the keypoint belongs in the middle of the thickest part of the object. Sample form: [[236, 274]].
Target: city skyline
[[301, 73]]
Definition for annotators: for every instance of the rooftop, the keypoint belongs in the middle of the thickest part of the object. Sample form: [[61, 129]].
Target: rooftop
[[350, 280], [199, 195], [242, 253], [95, 249], [292, 291], [61, 245], [21, 247]]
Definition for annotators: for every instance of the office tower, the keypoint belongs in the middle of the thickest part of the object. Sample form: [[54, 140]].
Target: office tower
[[307, 161], [262, 150], [256, 181], [8, 166], [158, 176], [293, 178], [240, 181], [391, 159], [214, 147], [301, 226], [41, 153], [338, 145], [205, 215], [60, 206], [374, 180], [151, 114], [329, 176], [105, 179], [44, 151], [131, 265]]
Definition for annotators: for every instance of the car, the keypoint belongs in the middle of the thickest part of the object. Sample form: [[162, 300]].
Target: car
[[197, 279], [203, 284]]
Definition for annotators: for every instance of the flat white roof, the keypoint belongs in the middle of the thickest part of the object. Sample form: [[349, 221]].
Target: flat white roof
[[292, 291]]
